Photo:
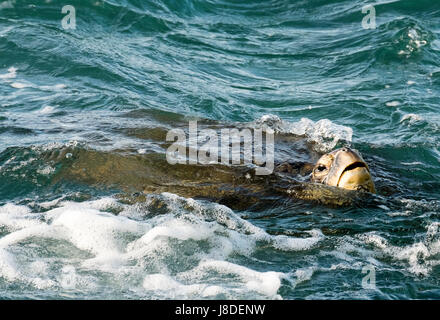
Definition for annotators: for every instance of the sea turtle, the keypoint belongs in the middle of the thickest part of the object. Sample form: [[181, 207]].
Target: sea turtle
[[343, 168], [338, 178]]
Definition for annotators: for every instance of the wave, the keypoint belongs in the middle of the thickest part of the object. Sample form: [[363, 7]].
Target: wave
[[170, 247], [185, 252]]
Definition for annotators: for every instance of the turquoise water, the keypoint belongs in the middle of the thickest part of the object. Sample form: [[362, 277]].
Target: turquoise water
[[132, 70]]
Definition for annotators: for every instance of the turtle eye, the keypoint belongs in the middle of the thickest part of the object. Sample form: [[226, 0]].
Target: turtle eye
[[321, 167]]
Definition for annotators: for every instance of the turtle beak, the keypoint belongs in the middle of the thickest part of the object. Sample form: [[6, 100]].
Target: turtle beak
[[349, 171]]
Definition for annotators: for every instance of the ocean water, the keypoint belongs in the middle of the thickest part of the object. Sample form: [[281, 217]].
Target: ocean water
[[83, 110]]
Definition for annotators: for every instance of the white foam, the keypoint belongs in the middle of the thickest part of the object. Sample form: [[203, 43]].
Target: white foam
[[46, 170], [399, 213], [413, 43], [418, 255], [160, 282], [376, 240], [193, 238], [324, 132], [101, 204], [416, 39], [49, 204], [265, 283], [236, 226], [411, 117], [414, 163], [14, 217], [46, 110], [54, 145], [392, 104], [55, 87], [413, 254], [178, 229], [12, 73], [166, 284], [19, 85], [15, 210], [8, 4], [297, 244], [40, 230], [303, 275], [95, 231], [8, 268], [187, 252]]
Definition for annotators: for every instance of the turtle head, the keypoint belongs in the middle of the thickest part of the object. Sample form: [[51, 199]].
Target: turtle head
[[343, 168]]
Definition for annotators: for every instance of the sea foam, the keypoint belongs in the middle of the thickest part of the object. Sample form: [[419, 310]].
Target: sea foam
[[182, 253], [324, 133]]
